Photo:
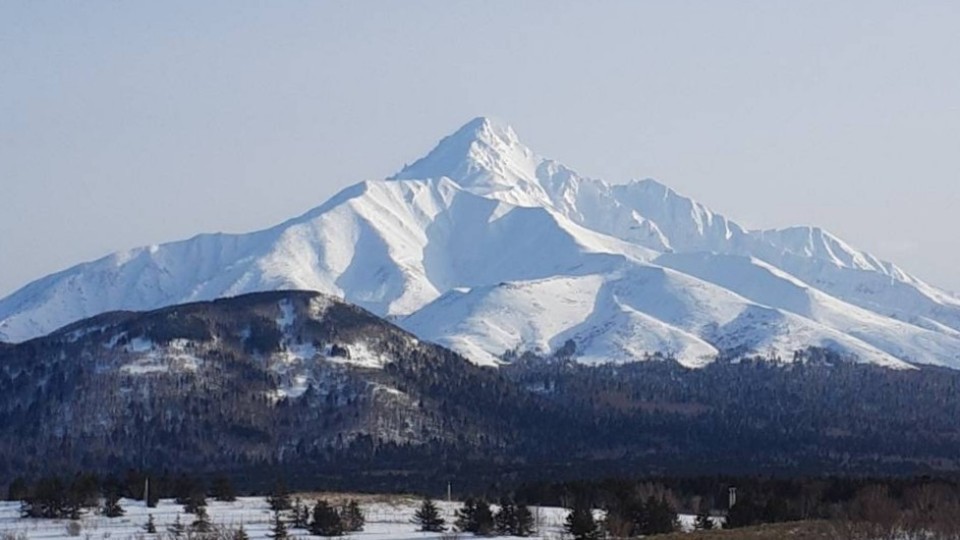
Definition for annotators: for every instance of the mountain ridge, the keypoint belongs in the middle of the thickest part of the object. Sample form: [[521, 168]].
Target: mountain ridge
[[482, 209]]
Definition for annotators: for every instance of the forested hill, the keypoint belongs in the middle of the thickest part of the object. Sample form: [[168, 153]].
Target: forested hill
[[301, 382], [240, 383]]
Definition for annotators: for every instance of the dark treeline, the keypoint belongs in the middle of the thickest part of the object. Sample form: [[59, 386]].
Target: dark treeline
[[883, 505], [816, 417], [818, 414], [66, 497]]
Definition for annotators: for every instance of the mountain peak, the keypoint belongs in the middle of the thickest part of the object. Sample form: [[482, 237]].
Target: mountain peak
[[484, 151], [487, 129]]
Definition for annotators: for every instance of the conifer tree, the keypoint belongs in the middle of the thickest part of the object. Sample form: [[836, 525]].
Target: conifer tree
[[279, 498], [111, 505], [278, 529], [326, 520], [84, 490], [201, 522], [195, 501], [183, 488], [150, 527], [222, 489], [659, 517], [506, 517], [743, 514], [132, 485], [525, 525], [240, 534], [47, 499], [352, 517], [580, 523], [475, 517], [514, 519], [301, 514], [176, 528], [18, 490], [428, 517]]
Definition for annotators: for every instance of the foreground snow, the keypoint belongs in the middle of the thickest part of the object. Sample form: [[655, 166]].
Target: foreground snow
[[388, 518]]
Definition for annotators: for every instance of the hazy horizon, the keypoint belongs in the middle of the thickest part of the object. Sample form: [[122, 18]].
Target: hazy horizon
[[124, 125]]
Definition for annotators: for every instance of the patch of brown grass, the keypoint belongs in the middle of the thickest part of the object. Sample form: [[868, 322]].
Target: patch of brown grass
[[797, 530], [362, 498]]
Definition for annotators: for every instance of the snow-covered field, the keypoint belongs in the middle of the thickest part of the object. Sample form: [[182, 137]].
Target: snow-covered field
[[387, 518]]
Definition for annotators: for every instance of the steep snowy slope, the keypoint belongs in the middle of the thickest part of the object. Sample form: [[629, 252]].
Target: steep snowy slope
[[390, 247], [485, 246], [767, 285]]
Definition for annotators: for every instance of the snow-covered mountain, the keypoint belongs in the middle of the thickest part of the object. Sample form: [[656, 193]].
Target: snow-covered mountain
[[485, 246]]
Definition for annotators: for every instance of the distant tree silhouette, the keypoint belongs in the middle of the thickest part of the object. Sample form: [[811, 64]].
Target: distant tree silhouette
[[428, 517], [475, 517], [326, 520], [580, 523]]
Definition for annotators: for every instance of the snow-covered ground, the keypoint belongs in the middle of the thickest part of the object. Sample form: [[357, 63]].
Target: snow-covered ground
[[387, 518]]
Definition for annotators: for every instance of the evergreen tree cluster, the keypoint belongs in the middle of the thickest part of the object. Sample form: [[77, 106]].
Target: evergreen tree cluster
[[324, 519], [635, 517], [648, 506], [628, 518], [329, 520], [54, 498], [475, 516], [514, 519], [221, 489]]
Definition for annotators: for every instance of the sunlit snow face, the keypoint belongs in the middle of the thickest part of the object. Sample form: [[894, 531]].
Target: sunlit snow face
[[499, 250]]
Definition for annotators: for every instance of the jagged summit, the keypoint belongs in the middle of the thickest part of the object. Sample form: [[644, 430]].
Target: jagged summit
[[486, 157], [488, 128], [480, 147]]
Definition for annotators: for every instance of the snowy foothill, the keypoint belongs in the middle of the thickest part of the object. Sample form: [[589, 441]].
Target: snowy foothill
[[387, 518]]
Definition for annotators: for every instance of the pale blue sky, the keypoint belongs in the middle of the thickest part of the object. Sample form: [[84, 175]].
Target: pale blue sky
[[124, 124]]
